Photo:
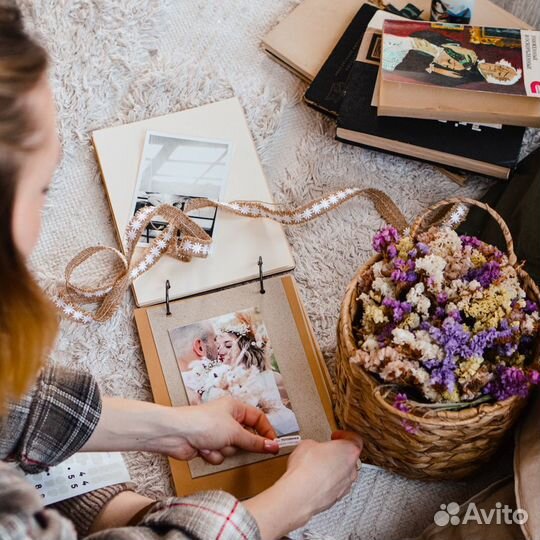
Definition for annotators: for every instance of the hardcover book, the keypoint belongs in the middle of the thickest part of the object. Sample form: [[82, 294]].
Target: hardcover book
[[328, 88], [457, 72], [492, 150], [304, 39]]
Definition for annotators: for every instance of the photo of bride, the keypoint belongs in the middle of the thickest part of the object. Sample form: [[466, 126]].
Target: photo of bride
[[231, 355]]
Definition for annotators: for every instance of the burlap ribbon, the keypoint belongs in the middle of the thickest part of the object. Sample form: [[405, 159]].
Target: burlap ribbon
[[183, 239]]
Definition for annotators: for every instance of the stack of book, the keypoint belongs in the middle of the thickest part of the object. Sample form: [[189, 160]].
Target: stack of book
[[454, 95]]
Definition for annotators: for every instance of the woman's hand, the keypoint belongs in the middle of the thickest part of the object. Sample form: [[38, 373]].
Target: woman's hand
[[318, 475], [216, 430], [213, 430]]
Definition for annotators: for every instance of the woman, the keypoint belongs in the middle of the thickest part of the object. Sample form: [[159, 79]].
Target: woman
[[241, 344], [48, 413]]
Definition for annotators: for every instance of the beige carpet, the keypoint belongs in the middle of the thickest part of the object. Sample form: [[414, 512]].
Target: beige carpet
[[116, 61]]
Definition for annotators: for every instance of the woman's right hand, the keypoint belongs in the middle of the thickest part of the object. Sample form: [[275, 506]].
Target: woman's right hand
[[324, 472], [317, 476]]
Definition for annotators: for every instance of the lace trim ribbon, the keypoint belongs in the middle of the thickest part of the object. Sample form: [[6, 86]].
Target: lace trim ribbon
[[183, 239]]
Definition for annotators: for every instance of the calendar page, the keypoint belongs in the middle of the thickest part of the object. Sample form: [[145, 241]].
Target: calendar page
[[81, 473]]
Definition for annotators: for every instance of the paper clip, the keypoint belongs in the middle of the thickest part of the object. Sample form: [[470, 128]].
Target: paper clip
[[291, 440]]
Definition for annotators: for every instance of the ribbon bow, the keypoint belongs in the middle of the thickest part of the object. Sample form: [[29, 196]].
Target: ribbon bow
[[183, 239]]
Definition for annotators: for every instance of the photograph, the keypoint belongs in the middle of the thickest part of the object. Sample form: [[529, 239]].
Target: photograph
[[231, 355], [175, 170], [449, 55]]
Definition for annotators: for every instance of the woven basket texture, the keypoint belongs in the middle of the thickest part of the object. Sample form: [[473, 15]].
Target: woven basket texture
[[448, 444]]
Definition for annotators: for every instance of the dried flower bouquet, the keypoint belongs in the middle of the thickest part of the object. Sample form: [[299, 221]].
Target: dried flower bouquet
[[446, 319]]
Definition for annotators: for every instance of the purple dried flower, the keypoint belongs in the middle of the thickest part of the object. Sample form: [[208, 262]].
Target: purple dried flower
[[471, 241], [404, 271], [401, 403], [508, 382], [486, 275], [423, 248], [534, 377], [385, 237], [440, 313], [507, 349], [424, 325], [392, 251], [385, 334], [399, 309], [445, 376], [482, 341], [453, 337], [410, 427], [412, 277], [398, 275], [530, 307], [431, 364], [442, 298]]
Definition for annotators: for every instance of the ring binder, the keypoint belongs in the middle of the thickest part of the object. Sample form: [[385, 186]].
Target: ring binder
[[167, 302], [261, 278]]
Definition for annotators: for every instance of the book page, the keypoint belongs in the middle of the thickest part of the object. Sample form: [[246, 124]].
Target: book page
[[79, 474]]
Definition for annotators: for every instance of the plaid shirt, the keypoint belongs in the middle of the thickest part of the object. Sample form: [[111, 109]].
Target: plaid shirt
[[53, 422]]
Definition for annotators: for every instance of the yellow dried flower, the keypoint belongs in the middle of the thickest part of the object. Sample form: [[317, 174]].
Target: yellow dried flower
[[490, 309], [468, 369], [452, 397], [404, 246], [373, 316], [478, 259]]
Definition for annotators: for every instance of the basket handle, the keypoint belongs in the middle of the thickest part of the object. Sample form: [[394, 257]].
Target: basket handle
[[419, 224]]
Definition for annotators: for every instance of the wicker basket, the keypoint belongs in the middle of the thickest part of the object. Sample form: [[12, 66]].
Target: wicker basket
[[445, 444]]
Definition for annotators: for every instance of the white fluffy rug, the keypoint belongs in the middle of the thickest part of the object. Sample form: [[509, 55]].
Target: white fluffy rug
[[116, 61]]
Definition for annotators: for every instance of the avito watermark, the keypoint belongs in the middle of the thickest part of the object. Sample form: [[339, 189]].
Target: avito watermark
[[500, 515]]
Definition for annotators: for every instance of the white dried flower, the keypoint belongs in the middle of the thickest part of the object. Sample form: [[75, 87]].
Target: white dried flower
[[417, 298], [433, 266]]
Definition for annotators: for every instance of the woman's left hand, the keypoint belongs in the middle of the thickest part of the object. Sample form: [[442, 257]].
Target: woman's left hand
[[213, 430], [216, 430]]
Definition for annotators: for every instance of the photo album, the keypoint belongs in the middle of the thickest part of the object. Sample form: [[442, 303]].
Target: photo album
[[225, 325]]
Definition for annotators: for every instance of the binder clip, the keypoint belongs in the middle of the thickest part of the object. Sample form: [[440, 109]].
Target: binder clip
[[167, 303], [261, 282]]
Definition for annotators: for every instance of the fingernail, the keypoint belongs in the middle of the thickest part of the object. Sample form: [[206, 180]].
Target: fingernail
[[205, 452], [271, 446]]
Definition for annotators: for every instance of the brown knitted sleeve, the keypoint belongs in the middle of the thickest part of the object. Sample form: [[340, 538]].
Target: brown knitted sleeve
[[83, 510]]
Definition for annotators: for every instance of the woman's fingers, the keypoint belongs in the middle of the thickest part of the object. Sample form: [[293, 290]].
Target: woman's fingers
[[341, 435], [214, 457], [229, 451], [254, 418], [247, 440]]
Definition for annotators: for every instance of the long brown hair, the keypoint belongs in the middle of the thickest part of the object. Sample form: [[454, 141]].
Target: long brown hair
[[27, 321]]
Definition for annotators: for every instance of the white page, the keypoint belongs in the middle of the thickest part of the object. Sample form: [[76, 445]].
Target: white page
[[81, 473]]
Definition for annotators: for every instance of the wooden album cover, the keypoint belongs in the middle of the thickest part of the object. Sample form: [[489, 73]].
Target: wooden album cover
[[258, 348]]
